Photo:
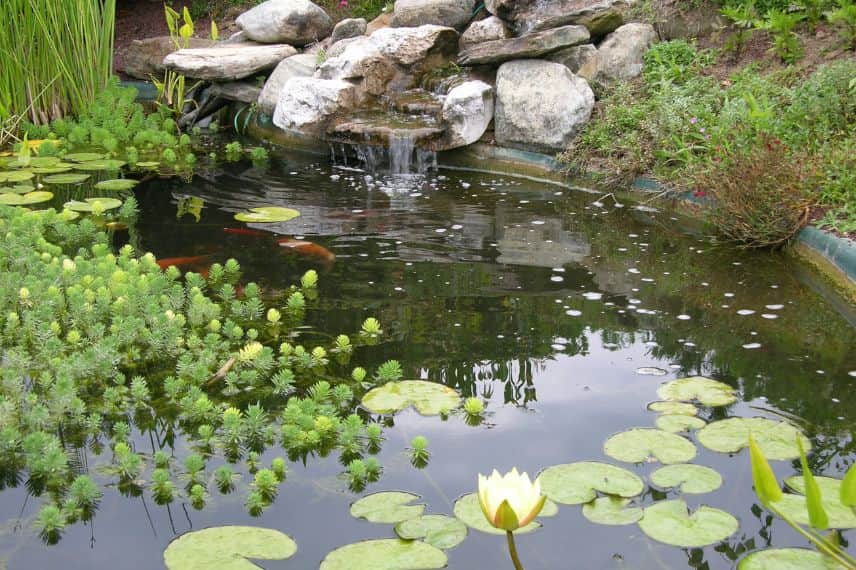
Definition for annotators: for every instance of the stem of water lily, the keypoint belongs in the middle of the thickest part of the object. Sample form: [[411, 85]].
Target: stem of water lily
[[512, 549]]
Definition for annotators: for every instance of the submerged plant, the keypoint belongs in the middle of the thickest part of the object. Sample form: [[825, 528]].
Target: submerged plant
[[419, 454]]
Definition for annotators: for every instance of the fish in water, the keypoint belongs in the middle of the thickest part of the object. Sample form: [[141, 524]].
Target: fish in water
[[307, 249], [246, 232], [182, 262]]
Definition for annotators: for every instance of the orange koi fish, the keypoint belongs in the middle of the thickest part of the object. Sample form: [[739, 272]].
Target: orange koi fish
[[307, 249], [246, 232], [181, 261]]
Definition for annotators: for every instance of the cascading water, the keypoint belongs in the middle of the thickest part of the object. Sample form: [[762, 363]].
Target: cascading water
[[401, 157]]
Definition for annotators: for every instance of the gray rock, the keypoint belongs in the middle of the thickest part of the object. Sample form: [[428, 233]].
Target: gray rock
[[349, 28], [144, 58], [619, 56], [338, 48], [505, 8], [451, 13], [300, 65], [599, 16], [673, 20], [295, 22], [581, 60], [486, 30], [540, 105], [528, 46], [467, 112], [360, 61], [227, 63], [409, 46], [239, 91], [309, 104]]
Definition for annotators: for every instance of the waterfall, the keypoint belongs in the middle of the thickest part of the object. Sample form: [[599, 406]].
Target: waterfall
[[400, 152], [400, 157]]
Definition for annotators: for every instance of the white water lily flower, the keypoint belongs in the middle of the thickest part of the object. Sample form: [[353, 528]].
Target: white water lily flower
[[510, 501]]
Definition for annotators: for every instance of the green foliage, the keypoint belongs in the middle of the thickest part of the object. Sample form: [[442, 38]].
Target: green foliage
[[419, 454], [781, 25], [844, 18], [675, 61]]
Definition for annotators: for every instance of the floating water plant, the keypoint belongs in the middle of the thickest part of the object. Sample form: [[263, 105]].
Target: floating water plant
[[776, 439], [612, 511], [267, 215], [227, 548], [707, 392], [644, 444], [687, 478], [419, 454], [671, 522], [429, 398], [387, 507], [386, 554], [440, 531], [578, 483], [116, 185]]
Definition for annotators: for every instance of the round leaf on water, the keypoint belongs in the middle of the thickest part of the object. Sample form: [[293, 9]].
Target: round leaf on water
[[387, 507], [26, 199], [840, 515], [437, 530], [578, 483], [688, 478], [788, 559], [23, 188], [429, 398], [227, 548], [705, 390], [117, 184], [93, 204], [69, 178], [44, 161], [267, 214], [66, 215], [777, 440], [670, 522], [99, 165], [468, 510], [83, 156], [16, 176], [386, 554], [648, 444], [51, 170], [149, 164], [673, 408], [676, 423], [611, 511]]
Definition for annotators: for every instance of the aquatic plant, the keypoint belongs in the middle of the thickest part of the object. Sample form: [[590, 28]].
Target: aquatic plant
[[419, 453]]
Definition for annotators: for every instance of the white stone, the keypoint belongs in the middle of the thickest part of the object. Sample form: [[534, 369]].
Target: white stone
[[407, 46], [300, 65], [619, 57], [227, 63], [296, 22], [349, 28], [306, 104], [467, 112], [361, 60], [452, 13], [486, 30]]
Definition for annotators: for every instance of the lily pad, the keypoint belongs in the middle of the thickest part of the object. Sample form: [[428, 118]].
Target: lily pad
[[16, 176], [680, 408], [227, 548], [68, 178], [386, 554], [671, 522], [23, 188], [93, 204], [429, 398], [267, 214], [26, 199], [708, 392], [99, 165], [611, 511], [788, 559], [388, 507], [437, 530], [578, 483], [689, 478], [51, 169], [469, 511], [117, 184], [83, 156], [148, 164], [840, 515], [648, 444], [776, 439], [676, 423], [44, 161]]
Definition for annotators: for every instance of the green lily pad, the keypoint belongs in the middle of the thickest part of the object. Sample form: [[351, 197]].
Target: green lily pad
[[840, 515], [578, 483], [676, 423], [51, 169], [66, 215], [689, 478], [778, 440], [429, 398], [673, 408], [26, 199], [386, 554], [68, 178], [267, 214], [698, 388], [93, 204], [23, 188], [83, 156], [117, 184], [44, 161], [16, 176], [469, 511], [788, 559], [670, 522], [648, 444], [99, 165], [611, 511], [387, 507], [437, 530], [227, 548], [149, 164]]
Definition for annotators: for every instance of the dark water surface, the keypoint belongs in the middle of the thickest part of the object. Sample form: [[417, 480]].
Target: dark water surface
[[523, 293]]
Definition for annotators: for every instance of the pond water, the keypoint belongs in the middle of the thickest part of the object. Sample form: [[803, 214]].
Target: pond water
[[565, 316]]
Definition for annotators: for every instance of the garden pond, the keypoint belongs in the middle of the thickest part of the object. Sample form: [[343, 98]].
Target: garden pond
[[563, 310]]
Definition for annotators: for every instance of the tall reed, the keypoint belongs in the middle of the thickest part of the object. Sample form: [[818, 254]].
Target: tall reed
[[55, 55]]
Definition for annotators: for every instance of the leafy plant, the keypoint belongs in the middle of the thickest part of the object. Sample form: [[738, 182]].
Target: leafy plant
[[419, 454], [744, 19], [781, 25], [173, 90], [844, 18]]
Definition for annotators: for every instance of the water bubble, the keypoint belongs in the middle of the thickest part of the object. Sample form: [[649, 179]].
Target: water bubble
[[752, 345], [769, 316], [576, 313], [745, 312], [592, 296], [774, 307], [633, 270], [440, 230], [538, 222], [683, 317]]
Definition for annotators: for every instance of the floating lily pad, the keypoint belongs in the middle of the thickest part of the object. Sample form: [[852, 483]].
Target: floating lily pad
[[676, 423], [149, 164], [578, 483], [388, 507], [437, 530], [51, 169], [708, 392], [83, 156], [66, 215], [227, 548], [788, 559], [469, 511], [688, 478], [840, 515], [16, 176], [93, 204], [267, 214], [26, 199], [682, 408], [117, 184], [68, 178], [429, 398], [44, 161], [671, 522], [23, 188], [386, 554], [648, 444], [611, 511], [776, 439], [99, 165]]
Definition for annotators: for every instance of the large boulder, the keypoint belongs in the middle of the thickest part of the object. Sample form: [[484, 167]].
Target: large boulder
[[361, 61], [308, 104], [451, 13], [300, 65], [240, 91], [349, 28], [581, 60], [599, 16], [144, 58], [295, 22], [504, 8], [540, 105], [528, 46], [227, 63], [619, 56], [423, 45], [487, 30], [467, 112], [673, 19]]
